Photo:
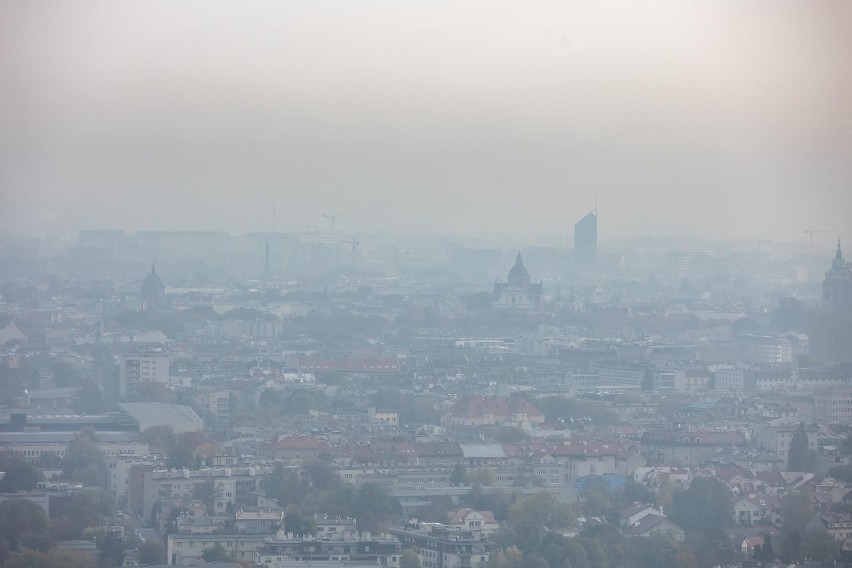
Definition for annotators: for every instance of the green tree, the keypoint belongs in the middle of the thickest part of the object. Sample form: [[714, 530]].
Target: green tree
[[800, 457], [511, 434], [706, 503], [711, 546], [797, 510], [87, 508], [322, 476], [498, 502], [338, 501], [575, 554], [596, 498], [20, 476], [610, 541], [84, 460], [819, 546], [531, 518], [764, 552], [482, 476], [841, 473], [458, 476], [152, 551], [111, 547], [285, 486], [22, 522], [409, 559], [302, 402], [216, 554], [182, 454], [595, 553], [52, 559], [373, 508], [436, 511], [160, 438], [791, 547], [509, 558], [65, 374], [295, 523], [651, 552]]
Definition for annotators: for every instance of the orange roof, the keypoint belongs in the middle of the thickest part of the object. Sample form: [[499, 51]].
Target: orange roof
[[301, 443]]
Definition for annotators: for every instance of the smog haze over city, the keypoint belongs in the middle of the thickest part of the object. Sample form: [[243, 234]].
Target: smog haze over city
[[473, 284], [469, 118]]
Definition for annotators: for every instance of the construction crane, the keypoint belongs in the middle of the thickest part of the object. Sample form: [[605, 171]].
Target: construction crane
[[811, 232], [354, 242], [332, 218]]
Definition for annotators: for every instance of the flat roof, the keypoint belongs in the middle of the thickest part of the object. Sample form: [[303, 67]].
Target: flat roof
[[180, 418]]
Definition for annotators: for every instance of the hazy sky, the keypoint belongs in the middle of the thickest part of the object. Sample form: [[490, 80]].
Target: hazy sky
[[714, 118]]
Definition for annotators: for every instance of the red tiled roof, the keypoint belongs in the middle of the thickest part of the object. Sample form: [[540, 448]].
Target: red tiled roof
[[301, 443], [459, 515]]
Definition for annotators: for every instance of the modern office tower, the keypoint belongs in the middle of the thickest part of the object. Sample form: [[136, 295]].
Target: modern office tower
[[586, 241]]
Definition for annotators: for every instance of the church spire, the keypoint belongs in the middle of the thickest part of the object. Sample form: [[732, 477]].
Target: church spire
[[838, 257]]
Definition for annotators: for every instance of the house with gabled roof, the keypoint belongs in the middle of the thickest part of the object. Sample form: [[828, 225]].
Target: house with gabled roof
[[651, 525], [296, 450], [758, 510], [635, 513], [478, 410], [474, 520]]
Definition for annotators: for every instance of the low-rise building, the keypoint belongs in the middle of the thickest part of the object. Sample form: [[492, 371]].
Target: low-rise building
[[442, 546], [337, 542]]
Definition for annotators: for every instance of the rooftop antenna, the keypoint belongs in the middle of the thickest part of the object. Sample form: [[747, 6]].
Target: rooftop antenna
[[273, 216], [596, 205]]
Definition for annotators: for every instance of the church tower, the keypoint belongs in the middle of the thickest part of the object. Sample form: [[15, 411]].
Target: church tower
[[152, 291], [837, 286]]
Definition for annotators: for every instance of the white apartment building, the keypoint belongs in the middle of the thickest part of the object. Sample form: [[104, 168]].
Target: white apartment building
[[833, 405], [135, 370]]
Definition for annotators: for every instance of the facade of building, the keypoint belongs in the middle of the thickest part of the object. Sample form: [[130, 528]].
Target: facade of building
[[480, 410], [778, 439], [518, 293], [153, 291], [586, 241], [837, 286], [838, 525], [336, 542], [621, 375], [164, 489], [442, 546], [687, 448], [136, 370], [833, 405], [187, 549]]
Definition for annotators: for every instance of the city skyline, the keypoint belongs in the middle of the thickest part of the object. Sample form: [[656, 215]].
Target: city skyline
[[720, 120]]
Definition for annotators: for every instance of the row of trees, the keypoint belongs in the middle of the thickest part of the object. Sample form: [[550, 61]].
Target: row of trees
[[318, 489], [25, 525], [533, 527]]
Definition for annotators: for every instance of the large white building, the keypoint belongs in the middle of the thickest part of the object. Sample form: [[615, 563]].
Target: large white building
[[833, 405], [518, 293], [135, 370]]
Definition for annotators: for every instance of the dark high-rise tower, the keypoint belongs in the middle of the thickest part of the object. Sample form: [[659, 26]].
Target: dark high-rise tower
[[586, 241], [153, 291], [837, 286]]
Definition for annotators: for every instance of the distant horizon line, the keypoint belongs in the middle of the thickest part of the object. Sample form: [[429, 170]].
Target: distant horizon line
[[567, 236]]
